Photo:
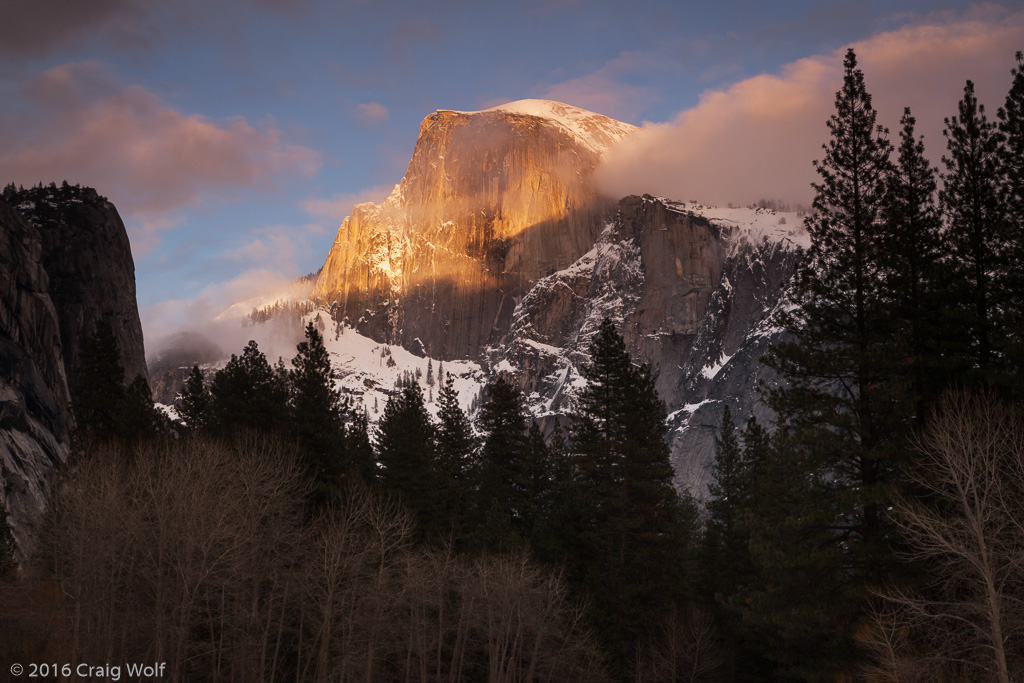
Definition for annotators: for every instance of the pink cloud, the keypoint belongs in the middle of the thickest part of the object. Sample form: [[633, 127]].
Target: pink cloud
[[372, 113], [756, 139], [150, 159], [604, 91], [334, 210]]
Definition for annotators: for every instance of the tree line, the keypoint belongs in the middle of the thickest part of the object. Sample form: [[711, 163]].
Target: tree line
[[824, 536], [276, 521]]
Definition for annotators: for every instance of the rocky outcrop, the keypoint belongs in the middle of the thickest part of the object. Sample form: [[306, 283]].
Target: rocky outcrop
[[65, 263], [92, 275], [35, 415], [692, 293], [496, 248], [491, 202]]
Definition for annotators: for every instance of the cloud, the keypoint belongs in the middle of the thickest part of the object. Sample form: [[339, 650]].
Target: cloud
[[78, 123], [605, 91], [252, 288], [334, 210], [757, 137], [372, 113], [37, 28]]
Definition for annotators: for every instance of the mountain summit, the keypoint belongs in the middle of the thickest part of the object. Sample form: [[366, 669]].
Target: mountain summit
[[491, 201], [497, 248]]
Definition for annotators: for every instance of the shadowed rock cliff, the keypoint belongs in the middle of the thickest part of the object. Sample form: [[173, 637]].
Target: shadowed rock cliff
[[65, 263]]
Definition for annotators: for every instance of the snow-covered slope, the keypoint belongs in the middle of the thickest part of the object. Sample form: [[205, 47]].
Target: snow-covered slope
[[596, 132]]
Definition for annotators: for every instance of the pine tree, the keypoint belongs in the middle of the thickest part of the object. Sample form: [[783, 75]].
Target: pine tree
[[456, 453], [361, 460], [407, 450], [726, 555], [914, 247], [248, 394], [502, 495], [100, 390], [194, 405], [637, 528], [430, 372], [317, 411], [137, 418], [1011, 125], [842, 406], [976, 241]]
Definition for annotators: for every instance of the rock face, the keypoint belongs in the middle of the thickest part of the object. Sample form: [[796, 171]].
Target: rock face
[[35, 405], [491, 202], [692, 292], [92, 275], [496, 248], [64, 262]]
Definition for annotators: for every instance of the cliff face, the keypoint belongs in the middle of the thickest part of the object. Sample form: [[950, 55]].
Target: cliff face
[[35, 414], [65, 262], [88, 258], [496, 249], [491, 202], [691, 289]]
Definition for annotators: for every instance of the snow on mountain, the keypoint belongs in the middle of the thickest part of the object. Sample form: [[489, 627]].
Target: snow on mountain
[[596, 132], [369, 371]]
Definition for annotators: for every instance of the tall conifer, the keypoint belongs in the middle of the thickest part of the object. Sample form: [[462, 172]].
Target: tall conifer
[[637, 527], [836, 410], [1011, 125], [976, 234], [915, 279], [407, 450], [195, 402], [317, 414]]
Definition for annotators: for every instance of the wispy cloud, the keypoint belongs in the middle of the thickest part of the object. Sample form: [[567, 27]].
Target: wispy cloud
[[334, 209], [79, 123], [757, 137], [372, 113], [607, 90]]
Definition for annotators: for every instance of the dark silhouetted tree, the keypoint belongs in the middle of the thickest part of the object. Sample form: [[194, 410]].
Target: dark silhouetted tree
[[976, 242]]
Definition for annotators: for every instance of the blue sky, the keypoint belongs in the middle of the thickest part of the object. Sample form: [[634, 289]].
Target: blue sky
[[234, 136]]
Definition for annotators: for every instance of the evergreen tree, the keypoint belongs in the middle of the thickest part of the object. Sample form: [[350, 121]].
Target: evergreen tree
[[194, 405], [248, 394], [100, 390], [362, 462], [976, 241], [503, 495], [802, 603], [637, 529], [407, 449], [456, 452], [842, 407], [916, 281], [726, 556], [137, 418], [1011, 125], [317, 411]]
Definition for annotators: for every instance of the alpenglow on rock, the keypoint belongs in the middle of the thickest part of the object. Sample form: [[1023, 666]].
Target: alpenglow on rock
[[491, 202], [497, 248]]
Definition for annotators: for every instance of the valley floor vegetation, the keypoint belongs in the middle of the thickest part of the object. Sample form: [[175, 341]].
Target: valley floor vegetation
[[874, 532]]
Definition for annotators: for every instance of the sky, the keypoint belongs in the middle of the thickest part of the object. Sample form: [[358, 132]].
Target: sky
[[235, 136]]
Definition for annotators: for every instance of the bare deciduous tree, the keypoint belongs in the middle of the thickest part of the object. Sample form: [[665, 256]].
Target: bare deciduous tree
[[966, 528]]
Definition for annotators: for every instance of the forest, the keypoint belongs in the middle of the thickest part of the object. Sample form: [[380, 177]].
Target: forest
[[874, 531]]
